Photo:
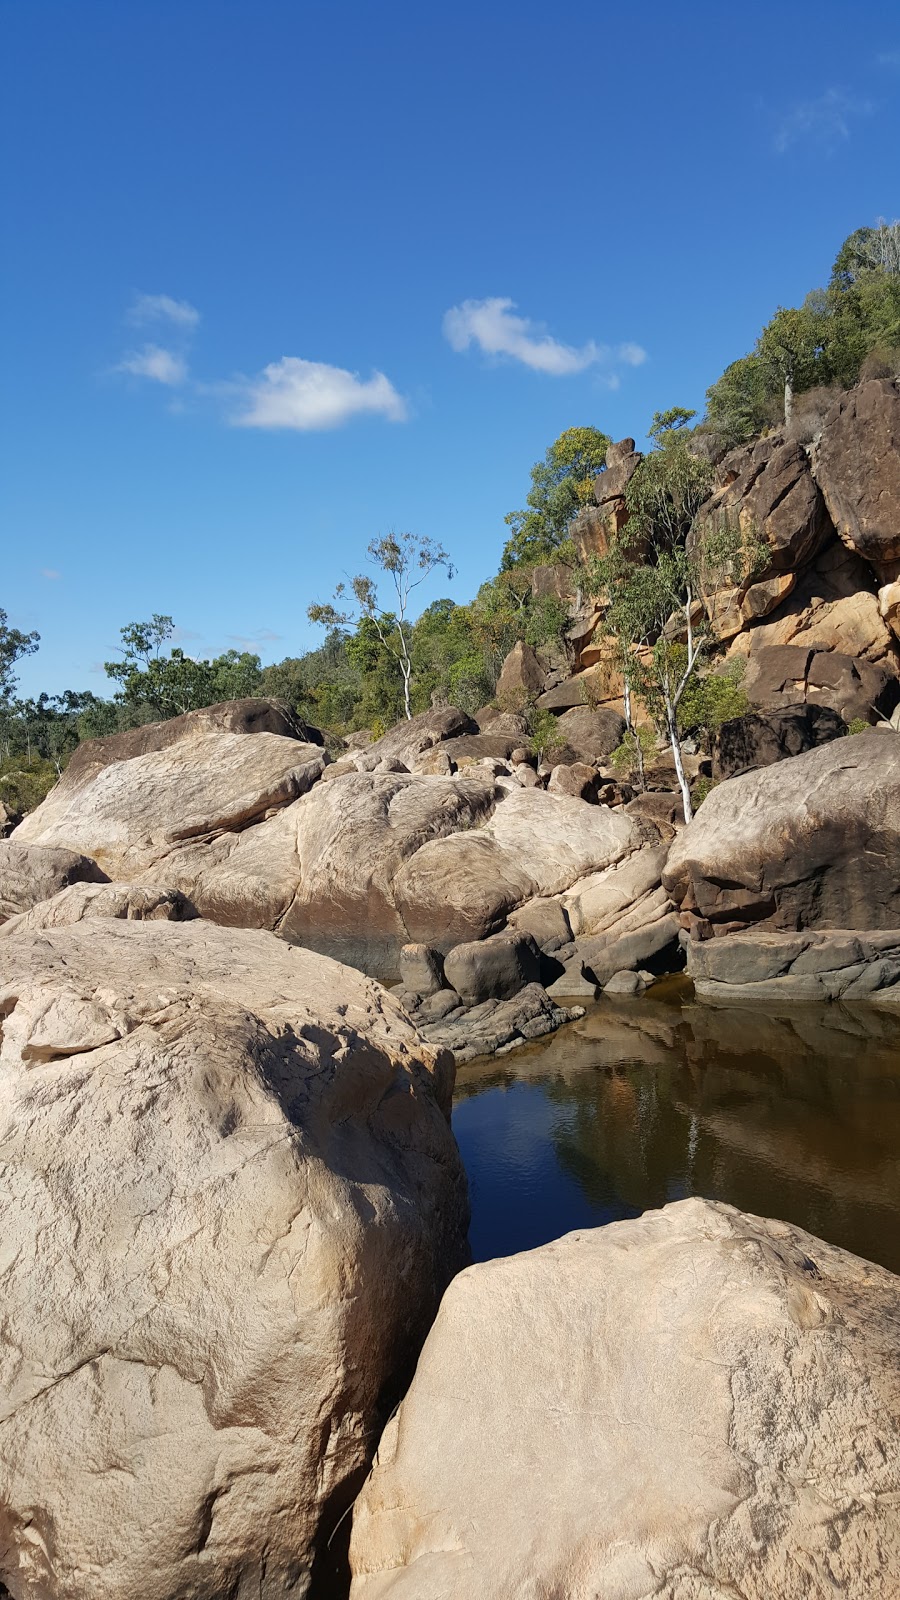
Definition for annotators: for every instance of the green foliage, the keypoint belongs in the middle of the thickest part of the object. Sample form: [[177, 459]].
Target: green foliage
[[169, 685], [825, 340], [858, 725], [637, 745], [668, 488], [407, 560], [711, 699], [13, 645], [560, 485], [545, 734], [25, 781], [699, 791]]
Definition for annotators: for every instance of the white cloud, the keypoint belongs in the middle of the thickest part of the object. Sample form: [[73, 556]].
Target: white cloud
[[252, 640], [308, 395], [824, 121], [162, 366], [493, 326], [50, 572], [162, 308]]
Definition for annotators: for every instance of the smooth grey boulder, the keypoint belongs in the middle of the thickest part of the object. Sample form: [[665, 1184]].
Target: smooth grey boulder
[[654, 944], [421, 969], [495, 968]]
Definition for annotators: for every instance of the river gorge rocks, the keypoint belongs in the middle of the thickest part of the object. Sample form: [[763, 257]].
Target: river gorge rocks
[[230, 1203], [724, 1421], [354, 867], [759, 741], [30, 873], [813, 842], [858, 468], [772, 968]]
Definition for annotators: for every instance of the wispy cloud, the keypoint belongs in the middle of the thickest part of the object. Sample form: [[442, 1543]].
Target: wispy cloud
[[161, 366], [310, 395], [249, 640], [50, 572], [162, 308], [493, 326], [825, 121], [888, 58]]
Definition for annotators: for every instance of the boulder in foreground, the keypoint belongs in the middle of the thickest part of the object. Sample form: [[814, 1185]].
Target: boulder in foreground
[[692, 1405], [230, 1203]]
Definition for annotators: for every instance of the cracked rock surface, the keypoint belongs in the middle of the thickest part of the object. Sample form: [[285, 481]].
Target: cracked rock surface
[[695, 1405], [229, 1203]]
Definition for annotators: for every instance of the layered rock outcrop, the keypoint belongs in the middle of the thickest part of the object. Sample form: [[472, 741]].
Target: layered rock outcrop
[[30, 873], [698, 1402], [857, 465], [813, 842], [230, 1203]]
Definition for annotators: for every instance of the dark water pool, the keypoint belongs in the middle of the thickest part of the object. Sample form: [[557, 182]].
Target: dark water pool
[[794, 1116]]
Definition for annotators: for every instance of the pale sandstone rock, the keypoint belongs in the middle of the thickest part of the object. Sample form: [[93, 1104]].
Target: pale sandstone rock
[[692, 1405], [30, 873], [230, 1203], [81, 902], [409, 739], [131, 815]]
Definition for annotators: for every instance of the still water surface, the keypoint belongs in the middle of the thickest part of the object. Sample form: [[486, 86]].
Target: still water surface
[[794, 1116]]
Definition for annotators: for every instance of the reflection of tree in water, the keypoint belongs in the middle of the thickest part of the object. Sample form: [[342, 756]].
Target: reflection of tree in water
[[795, 1117]]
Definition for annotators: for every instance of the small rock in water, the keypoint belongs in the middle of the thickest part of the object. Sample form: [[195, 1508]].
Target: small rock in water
[[625, 983]]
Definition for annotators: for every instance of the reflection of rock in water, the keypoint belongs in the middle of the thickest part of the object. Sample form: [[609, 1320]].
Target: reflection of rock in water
[[794, 1116]]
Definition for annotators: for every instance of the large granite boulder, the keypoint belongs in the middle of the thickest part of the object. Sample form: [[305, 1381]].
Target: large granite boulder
[[409, 739], [130, 815], [495, 968], [750, 741], [30, 873], [521, 676], [230, 1204], [247, 716], [858, 470], [693, 1404], [592, 732], [810, 843]]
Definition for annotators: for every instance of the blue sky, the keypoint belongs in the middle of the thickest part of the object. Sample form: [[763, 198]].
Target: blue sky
[[234, 232]]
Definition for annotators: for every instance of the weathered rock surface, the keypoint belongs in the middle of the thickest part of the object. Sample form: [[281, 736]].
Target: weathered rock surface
[[410, 739], [810, 843], [131, 815], [82, 902], [765, 967], [366, 864], [495, 1027], [652, 942], [30, 873], [230, 1203], [752, 741], [696, 1403], [592, 732], [858, 470], [767, 493], [249, 716], [495, 968], [521, 676], [576, 779], [421, 969]]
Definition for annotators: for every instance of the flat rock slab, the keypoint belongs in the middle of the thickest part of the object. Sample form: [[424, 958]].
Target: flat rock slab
[[231, 1201], [694, 1404], [812, 967]]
